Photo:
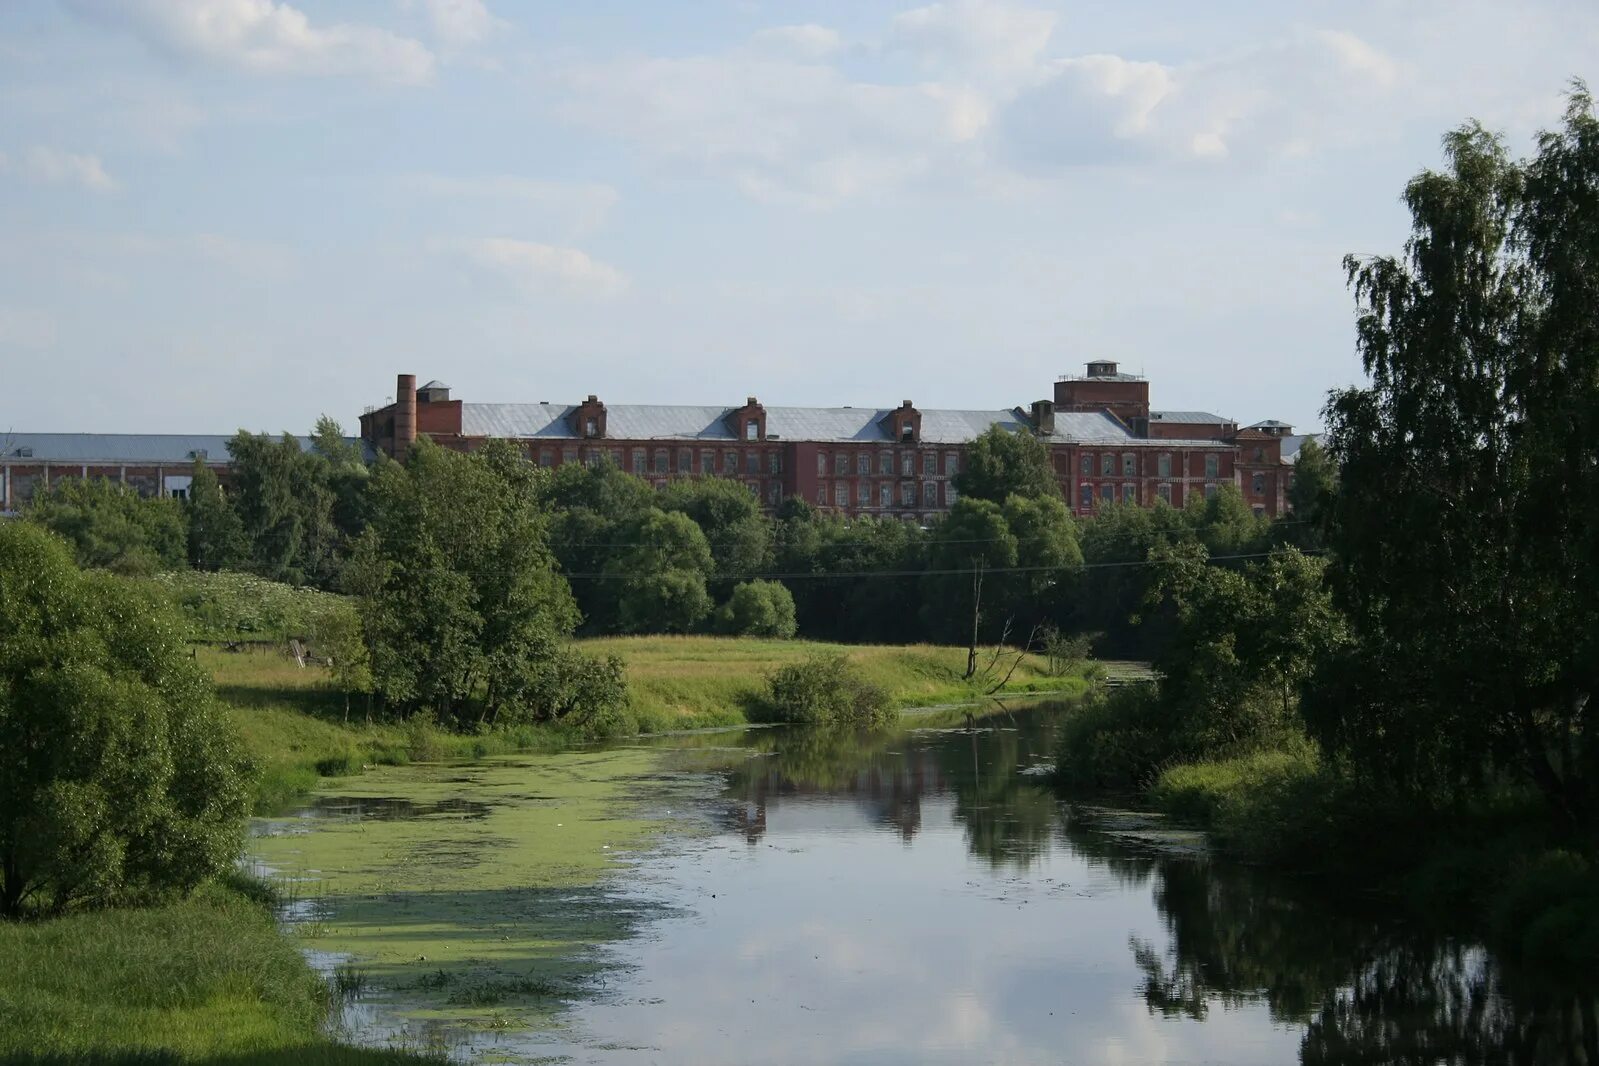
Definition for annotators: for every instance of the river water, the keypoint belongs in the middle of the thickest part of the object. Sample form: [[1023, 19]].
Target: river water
[[921, 896]]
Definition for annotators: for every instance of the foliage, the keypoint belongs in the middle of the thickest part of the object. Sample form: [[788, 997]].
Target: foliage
[[284, 500], [729, 515], [216, 534], [1000, 465], [758, 609], [1064, 652], [825, 690], [122, 781], [961, 600], [336, 637], [587, 692], [110, 526], [231, 606], [1117, 740], [588, 508], [1466, 525], [834, 603], [457, 585], [1310, 496], [659, 577]]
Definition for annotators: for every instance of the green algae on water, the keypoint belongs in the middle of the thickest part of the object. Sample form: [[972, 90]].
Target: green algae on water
[[473, 896]]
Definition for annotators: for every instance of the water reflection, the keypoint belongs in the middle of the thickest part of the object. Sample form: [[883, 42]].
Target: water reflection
[[1327, 963]]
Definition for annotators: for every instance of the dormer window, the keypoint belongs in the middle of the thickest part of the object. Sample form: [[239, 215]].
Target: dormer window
[[24, 453], [591, 427], [907, 431], [752, 429]]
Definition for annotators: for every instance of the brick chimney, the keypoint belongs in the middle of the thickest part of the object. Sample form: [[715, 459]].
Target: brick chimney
[[404, 416]]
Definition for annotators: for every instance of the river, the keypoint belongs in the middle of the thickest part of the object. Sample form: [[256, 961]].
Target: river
[[916, 896]]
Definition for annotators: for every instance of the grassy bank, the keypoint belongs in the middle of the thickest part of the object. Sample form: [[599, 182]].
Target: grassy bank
[[209, 979], [684, 682], [1491, 866]]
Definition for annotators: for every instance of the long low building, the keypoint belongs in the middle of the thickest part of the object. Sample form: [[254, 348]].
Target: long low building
[[1104, 441]]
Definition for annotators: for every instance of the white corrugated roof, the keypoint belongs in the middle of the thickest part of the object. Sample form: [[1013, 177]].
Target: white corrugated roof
[[1187, 416], [131, 449]]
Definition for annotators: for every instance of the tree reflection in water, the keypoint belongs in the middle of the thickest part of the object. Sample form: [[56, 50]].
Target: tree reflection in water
[[1365, 986]]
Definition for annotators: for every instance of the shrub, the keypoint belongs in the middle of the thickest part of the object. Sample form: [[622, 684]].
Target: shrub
[[825, 690], [1117, 740], [121, 779], [234, 606], [758, 609]]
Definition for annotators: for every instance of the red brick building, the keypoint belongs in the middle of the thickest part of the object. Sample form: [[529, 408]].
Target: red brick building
[[1104, 441]]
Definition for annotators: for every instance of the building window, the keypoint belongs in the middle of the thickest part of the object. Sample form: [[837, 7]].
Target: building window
[[730, 463], [1164, 492], [774, 463], [885, 464], [821, 464], [907, 432], [685, 461], [752, 462], [929, 494], [841, 464], [863, 493], [774, 492], [1087, 464], [1129, 464], [1210, 492], [1260, 455], [885, 495], [568, 455], [1163, 464], [841, 493], [929, 465], [1212, 465], [1107, 465], [707, 462], [594, 457], [547, 458], [755, 489], [821, 493], [752, 429], [863, 464], [950, 495], [907, 465], [952, 464], [1129, 493], [1260, 484], [907, 494], [616, 458], [660, 461], [1259, 509], [1107, 493], [591, 427], [1085, 496], [638, 461]]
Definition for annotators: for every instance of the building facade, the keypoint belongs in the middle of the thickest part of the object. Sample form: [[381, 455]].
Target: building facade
[[1104, 442]]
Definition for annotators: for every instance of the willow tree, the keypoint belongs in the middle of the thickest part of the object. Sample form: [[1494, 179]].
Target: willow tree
[[1466, 527]]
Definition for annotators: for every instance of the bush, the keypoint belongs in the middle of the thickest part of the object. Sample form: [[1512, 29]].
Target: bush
[[825, 690], [758, 609], [234, 606], [1118, 740], [121, 779]]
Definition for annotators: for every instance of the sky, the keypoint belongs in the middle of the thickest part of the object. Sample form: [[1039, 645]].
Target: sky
[[223, 214]]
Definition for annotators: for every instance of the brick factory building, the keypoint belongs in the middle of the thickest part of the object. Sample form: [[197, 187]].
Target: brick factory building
[[1104, 441]]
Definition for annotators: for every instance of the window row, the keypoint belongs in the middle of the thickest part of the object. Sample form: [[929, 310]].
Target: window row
[[860, 464], [1087, 496], [644, 461], [1110, 464], [884, 494]]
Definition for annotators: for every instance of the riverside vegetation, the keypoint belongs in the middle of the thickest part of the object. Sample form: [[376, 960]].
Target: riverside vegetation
[[1396, 681]]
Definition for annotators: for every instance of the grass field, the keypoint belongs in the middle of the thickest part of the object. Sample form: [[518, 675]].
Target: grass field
[[683, 682]]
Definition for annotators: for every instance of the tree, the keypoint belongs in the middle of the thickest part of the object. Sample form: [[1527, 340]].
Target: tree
[[460, 598], [588, 507], [1049, 557], [1466, 525], [961, 599], [758, 609], [216, 536], [729, 515], [284, 500], [122, 779], [336, 636], [659, 578], [110, 526], [1001, 464]]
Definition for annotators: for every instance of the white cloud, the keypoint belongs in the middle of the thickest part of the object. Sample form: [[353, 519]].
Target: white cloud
[[808, 41], [266, 37], [581, 206], [52, 166], [780, 130], [976, 37], [537, 269], [461, 24]]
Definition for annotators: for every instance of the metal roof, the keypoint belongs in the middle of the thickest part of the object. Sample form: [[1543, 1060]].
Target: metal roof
[[434, 384], [124, 449], [1196, 417], [829, 425], [1270, 423], [1292, 444]]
